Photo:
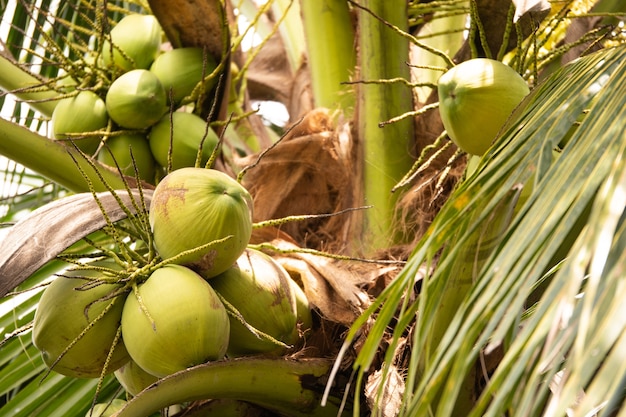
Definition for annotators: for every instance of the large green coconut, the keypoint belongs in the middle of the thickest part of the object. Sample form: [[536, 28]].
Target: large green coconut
[[192, 207], [135, 43], [179, 322], [476, 98], [260, 289], [67, 307], [180, 70], [118, 149], [136, 100], [184, 132], [77, 117]]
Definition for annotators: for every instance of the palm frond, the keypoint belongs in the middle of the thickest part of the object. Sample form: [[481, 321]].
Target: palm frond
[[575, 197]]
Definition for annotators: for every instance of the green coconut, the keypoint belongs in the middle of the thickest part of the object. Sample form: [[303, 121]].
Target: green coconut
[[303, 307], [180, 322], [476, 98], [135, 40], [66, 84], [184, 132], [181, 70], [77, 117], [259, 288], [193, 207], [118, 149], [67, 307], [108, 409], [134, 378], [136, 100]]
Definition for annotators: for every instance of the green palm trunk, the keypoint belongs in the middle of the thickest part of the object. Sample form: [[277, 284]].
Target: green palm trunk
[[385, 151]]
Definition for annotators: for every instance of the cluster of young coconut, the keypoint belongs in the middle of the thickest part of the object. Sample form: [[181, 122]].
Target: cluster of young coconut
[[206, 296], [133, 97]]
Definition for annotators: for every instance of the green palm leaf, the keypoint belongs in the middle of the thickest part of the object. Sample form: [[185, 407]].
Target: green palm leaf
[[576, 325]]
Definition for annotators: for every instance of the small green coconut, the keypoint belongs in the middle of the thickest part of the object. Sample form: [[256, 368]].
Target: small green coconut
[[136, 100], [108, 409], [187, 131], [135, 43], [77, 117], [118, 149], [180, 70], [133, 378]]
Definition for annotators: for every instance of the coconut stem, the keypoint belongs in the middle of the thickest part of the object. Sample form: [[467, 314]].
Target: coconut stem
[[26, 87], [329, 35], [291, 390], [53, 160], [383, 54]]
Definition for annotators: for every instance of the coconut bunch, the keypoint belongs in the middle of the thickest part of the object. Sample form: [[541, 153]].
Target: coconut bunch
[[136, 99], [205, 297]]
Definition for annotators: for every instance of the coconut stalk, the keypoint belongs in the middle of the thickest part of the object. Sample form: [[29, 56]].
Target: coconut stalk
[[330, 46], [383, 54], [26, 87], [54, 160], [286, 386]]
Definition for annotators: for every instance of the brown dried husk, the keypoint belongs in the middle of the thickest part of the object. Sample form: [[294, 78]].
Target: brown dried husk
[[313, 171], [309, 172]]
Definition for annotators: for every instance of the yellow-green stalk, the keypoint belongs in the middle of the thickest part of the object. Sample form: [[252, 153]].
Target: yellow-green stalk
[[386, 157], [26, 87], [329, 36], [52, 159], [291, 389]]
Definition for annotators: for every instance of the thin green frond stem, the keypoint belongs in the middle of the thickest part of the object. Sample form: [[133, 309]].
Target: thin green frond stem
[[276, 249], [439, 145], [117, 339], [393, 81], [109, 224], [507, 33], [303, 217], [408, 114]]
